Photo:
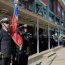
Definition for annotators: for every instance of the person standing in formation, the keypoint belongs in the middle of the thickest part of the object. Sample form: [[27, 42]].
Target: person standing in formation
[[5, 42]]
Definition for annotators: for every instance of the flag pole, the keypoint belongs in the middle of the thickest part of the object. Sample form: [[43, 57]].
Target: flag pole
[[16, 2]]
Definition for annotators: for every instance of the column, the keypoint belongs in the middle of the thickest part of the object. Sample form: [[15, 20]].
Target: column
[[37, 36], [48, 37], [47, 8], [58, 36]]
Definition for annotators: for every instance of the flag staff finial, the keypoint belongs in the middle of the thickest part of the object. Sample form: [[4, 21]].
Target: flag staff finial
[[16, 1]]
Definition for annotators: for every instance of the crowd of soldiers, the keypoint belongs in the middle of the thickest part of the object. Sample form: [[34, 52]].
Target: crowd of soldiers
[[10, 51]]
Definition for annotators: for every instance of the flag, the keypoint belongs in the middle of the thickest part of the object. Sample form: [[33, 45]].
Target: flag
[[14, 24]]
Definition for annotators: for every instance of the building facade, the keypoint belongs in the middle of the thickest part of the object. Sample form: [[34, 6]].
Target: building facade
[[45, 17]]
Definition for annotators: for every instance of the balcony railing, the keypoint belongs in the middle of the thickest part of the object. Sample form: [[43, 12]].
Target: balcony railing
[[40, 9]]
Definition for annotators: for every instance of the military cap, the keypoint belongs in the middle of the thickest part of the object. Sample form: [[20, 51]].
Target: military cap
[[4, 20], [22, 27]]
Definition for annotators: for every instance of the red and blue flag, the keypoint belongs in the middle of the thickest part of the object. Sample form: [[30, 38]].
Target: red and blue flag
[[14, 24]]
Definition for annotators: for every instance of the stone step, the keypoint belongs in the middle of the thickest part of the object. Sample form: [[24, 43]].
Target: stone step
[[48, 55]]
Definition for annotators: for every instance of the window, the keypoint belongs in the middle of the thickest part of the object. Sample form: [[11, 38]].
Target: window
[[51, 5], [62, 14], [59, 7]]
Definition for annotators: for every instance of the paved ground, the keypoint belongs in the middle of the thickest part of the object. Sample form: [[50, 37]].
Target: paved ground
[[60, 59]]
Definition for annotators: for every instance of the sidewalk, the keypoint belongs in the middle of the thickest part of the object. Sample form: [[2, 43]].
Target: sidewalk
[[60, 58]]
